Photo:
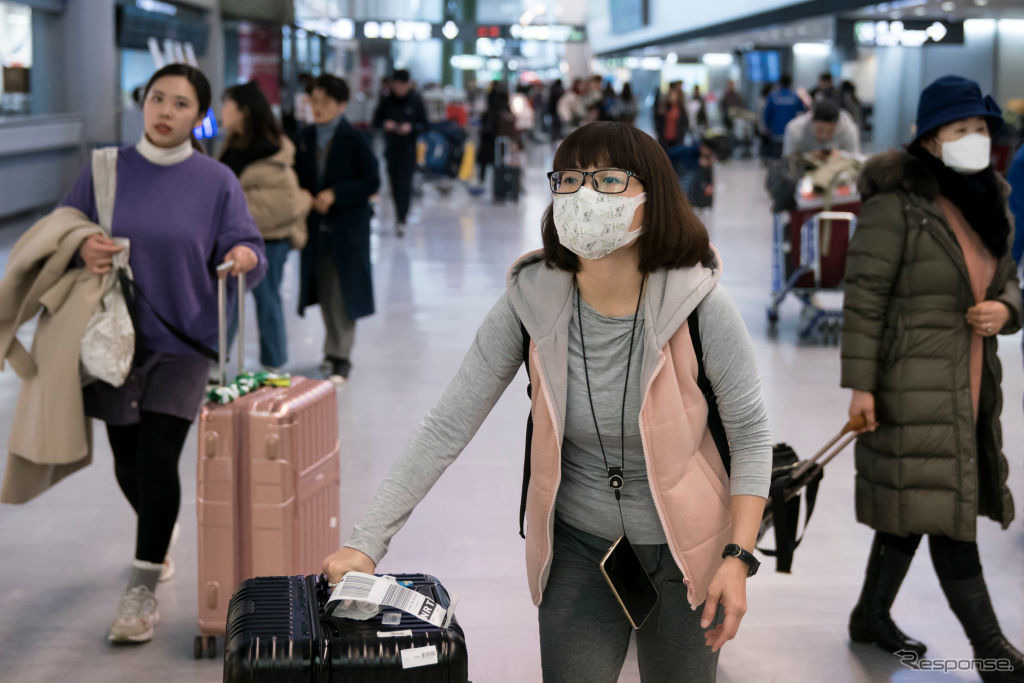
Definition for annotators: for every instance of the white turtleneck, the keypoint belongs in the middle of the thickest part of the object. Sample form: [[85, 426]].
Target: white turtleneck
[[164, 156]]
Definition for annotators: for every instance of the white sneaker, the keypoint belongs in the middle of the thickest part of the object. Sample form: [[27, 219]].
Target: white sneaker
[[136, 616], [168, 570]]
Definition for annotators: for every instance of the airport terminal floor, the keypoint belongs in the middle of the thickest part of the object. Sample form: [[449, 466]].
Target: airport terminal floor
[[66, 555]]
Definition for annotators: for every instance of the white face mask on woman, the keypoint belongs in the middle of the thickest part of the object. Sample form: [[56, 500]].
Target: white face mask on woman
[[592, 224], [969, 154]]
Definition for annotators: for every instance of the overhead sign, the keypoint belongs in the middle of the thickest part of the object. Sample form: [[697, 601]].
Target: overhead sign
[[349, 29], [906, 33]]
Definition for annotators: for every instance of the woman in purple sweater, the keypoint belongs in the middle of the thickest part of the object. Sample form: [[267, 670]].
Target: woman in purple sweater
[[183, 213]]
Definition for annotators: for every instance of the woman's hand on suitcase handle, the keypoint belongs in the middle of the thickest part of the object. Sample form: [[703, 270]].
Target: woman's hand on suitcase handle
[[243, 259], [345, 560], [862, 404], [97, 252]]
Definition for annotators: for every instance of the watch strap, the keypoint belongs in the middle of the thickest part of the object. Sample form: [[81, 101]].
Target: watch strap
[[734, 550]]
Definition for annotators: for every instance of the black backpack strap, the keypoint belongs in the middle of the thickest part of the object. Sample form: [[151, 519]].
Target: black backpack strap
[[529, 432], [714, 418], [132, 294], [785, 518]]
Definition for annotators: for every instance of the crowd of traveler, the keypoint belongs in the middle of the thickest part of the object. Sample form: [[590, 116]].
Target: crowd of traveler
[[626, 276]]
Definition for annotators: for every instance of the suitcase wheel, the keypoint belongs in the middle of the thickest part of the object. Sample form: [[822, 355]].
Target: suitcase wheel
[[210, 649]]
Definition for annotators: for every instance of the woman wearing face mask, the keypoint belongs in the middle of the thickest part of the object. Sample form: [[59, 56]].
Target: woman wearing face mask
[[620, 444], [184, 213], [930, 282]]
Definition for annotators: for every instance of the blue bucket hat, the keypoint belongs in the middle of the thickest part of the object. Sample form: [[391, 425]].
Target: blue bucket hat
[[952, 98]]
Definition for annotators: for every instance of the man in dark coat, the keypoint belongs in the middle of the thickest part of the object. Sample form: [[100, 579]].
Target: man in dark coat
[[337, 167], [403, 117]]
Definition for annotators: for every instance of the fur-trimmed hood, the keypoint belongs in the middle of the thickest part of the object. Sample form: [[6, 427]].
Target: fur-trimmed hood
[[898, 170]]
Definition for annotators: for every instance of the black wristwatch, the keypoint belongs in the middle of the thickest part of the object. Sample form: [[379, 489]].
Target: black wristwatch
[[733, 550]]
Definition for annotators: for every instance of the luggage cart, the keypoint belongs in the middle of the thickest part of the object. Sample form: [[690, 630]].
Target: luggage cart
[[809, 259], [439, 156]]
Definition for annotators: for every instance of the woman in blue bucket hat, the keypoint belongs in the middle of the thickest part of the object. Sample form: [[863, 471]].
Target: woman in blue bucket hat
[[930, 282]]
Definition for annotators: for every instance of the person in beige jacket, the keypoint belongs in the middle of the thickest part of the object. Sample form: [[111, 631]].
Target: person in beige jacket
[[39, 278], [263, 159]]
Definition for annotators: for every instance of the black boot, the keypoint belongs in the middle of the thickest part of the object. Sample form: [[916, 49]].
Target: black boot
[[870, 621], [970, 601]]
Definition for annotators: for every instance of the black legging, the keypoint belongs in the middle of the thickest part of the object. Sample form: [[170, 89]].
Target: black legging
[[953, 560], [146, 464]]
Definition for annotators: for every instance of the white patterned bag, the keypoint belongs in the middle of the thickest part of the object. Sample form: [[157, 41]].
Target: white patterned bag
[[108, 345]]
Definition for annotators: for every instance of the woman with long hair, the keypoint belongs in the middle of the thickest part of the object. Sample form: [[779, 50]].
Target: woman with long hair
[[263, 158]]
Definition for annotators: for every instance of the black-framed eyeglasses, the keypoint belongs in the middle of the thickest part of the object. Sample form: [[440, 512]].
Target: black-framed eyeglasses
[[605, 180]]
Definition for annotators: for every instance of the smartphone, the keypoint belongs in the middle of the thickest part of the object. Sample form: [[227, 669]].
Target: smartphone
[[629, 582]]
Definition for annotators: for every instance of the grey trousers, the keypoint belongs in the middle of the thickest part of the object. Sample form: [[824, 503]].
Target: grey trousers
[[340, 330], [584, 634]]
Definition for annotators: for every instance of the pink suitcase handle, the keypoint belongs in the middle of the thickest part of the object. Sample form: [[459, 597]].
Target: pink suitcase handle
[[222, 324]]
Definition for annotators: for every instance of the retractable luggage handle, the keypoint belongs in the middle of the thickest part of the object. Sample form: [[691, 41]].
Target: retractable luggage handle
[[222, 325], [829, 451], [503, 150], [806, 473]]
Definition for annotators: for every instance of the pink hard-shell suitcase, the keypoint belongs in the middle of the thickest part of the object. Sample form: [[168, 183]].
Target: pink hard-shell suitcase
[[268, 476]]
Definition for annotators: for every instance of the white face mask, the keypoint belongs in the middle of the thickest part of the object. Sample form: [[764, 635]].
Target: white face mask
[[969, 154], [592, 225]]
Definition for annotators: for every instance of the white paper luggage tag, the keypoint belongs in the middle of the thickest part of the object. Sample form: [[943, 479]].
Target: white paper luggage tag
[[383, 592], [419, 656]]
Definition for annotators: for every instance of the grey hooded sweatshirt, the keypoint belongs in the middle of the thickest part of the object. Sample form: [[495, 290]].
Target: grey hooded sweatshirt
[[544, 300]]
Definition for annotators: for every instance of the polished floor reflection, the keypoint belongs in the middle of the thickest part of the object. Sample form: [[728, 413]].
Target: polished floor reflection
[[64, 557]]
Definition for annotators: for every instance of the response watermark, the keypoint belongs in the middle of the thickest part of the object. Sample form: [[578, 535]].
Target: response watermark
[[913, 660]]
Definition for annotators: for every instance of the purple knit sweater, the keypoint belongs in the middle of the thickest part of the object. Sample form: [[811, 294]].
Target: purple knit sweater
[[182, 220]]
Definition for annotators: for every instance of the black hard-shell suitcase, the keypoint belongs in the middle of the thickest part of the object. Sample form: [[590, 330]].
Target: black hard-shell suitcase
[[508, 175], [275, 634]]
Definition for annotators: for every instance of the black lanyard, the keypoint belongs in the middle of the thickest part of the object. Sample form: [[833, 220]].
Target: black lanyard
[[615, 475]]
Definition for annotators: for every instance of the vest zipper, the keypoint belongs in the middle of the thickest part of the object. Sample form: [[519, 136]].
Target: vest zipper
[[687, 579], [546, 565]]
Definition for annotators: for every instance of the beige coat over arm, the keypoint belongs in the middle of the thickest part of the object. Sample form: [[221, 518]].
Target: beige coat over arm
[[50, 436]]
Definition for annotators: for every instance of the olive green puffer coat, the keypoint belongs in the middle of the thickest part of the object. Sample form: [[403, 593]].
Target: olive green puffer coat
[[926, 469]]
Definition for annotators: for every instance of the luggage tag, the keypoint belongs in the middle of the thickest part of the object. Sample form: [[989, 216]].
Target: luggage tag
[[358, 592]]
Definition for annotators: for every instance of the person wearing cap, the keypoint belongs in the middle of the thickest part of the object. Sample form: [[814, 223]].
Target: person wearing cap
[[822, 132], [402, 116], [930, 282]]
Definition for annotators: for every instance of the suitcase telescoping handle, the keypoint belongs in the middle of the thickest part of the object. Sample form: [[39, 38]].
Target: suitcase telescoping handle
[[222, 323], [502, 151], [833, 448]]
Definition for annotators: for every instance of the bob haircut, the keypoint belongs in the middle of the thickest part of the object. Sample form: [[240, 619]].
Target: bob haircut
[[673, 236]]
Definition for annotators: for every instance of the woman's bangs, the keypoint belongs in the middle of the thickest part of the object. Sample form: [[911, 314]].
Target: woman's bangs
[[596, 146]]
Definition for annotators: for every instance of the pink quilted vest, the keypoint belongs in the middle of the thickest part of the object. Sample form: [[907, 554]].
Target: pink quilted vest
[[688, 481]]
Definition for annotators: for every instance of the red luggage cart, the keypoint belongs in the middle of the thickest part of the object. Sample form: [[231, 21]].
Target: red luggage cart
[[809, 247]]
